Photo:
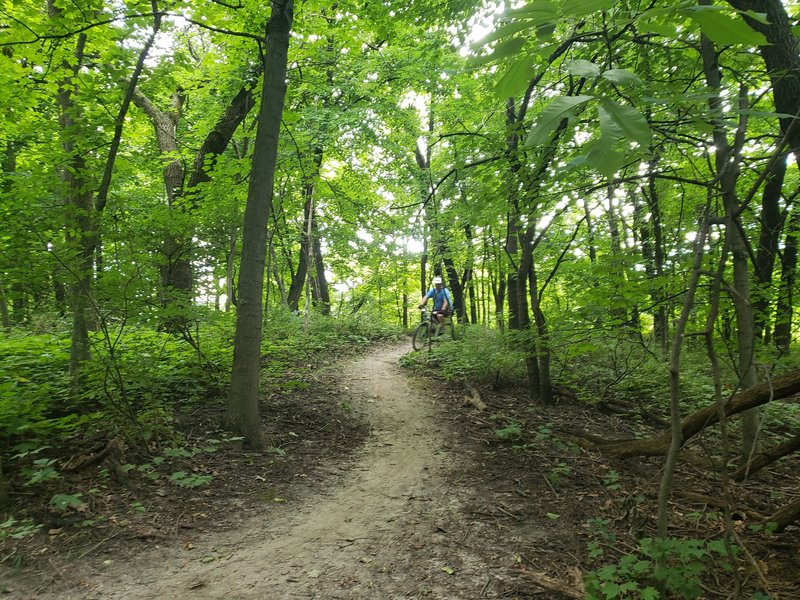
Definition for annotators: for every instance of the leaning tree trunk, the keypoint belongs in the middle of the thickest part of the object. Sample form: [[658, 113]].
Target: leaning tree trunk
[[242, 408]]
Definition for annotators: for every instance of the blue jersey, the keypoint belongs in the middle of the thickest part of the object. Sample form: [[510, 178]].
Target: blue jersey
[[438, 298]]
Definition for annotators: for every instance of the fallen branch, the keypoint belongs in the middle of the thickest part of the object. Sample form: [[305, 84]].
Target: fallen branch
[[780, 387], [475, 399], [572, 589], [785, 516], [767, 457]]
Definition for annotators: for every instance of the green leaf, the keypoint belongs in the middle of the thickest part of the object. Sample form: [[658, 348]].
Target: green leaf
[[515, 79], [622, 77], [551, 116], [64, 501], [604, 158], [504, 31], [758, 17], [508, 47], [724, 29], [581, 8], [632, 122], [582, 68], [541, 12]]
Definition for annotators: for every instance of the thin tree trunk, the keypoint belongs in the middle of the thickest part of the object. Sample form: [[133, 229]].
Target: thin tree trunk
[[727, 163], [784, 307], [772, 220], [243, 399]]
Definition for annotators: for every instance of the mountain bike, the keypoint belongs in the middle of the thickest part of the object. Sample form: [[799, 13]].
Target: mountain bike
[[430, 330]]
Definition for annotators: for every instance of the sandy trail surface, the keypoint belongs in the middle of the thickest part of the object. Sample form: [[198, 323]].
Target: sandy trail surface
[[387, 526]]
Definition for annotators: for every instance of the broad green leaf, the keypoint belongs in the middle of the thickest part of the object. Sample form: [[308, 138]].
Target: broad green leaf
[[541, 12], [622, 77], [665, 29], [632, 122], [582, 68], [508, 47], [758, 17], [504, 31], [545, 31], [581, 8], [604, 158], [610, 129], [515, 79], [551, 116], [724, 29]]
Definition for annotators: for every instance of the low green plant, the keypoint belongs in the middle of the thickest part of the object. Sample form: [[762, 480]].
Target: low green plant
[[43, 470], [674, 565], [512, 431], [611, 480], [558, 472], [189, 480]]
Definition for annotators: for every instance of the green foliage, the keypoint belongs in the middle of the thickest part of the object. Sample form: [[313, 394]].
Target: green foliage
[[674, 564], [512, 431], [479, 356]]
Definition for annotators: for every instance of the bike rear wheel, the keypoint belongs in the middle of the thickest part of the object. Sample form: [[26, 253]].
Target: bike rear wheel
[[421, 335]]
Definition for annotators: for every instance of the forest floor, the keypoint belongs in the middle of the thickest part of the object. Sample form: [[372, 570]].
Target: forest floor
[[386, 486]]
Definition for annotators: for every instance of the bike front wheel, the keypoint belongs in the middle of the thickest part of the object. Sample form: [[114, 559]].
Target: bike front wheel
[[421, 334]]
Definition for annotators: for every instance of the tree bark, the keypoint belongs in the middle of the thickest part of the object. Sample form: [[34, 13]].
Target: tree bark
[[785, 516], [243, 399], [727, 163], [766, 458], [79, 212], [772, 221], [177, 276], [777, 389], [784, 306]]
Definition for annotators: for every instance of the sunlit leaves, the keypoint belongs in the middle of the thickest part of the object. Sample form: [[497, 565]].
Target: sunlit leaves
[[581, 8], [629, 120], [515, 79], [551, 117], [724, 28]]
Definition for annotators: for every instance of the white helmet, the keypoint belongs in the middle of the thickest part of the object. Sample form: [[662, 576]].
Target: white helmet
[[436, 280]]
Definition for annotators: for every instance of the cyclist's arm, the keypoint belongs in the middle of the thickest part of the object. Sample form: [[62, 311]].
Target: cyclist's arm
[[424, 299]]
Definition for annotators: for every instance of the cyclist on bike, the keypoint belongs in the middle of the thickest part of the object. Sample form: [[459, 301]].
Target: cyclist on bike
[[442, 305]]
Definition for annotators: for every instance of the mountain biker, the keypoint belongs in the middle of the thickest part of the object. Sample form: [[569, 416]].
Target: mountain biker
[[442, 305]]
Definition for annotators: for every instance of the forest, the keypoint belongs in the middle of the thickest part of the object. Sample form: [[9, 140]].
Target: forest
[[204, 203]]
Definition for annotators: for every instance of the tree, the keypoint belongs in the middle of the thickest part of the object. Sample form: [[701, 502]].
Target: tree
[[243, 399]]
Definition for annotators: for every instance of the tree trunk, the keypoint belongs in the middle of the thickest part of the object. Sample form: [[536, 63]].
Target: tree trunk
[[727, 164], [299, 277], [79, 230], [780, 387], [243, 399], [772, 220], [785, 516], [782, 60], [766, 458], [4, 316], [177, 276], [784, 307]]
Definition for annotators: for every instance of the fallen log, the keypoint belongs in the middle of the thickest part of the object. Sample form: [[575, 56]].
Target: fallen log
[[475, 399], [766, 458], [780, 387], [785, 516], [571, 589]]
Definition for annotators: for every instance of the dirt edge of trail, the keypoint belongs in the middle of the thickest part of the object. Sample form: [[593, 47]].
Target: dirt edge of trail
[[390, 525]]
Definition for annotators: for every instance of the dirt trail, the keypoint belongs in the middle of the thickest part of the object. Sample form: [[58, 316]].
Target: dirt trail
[[387, 527]]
